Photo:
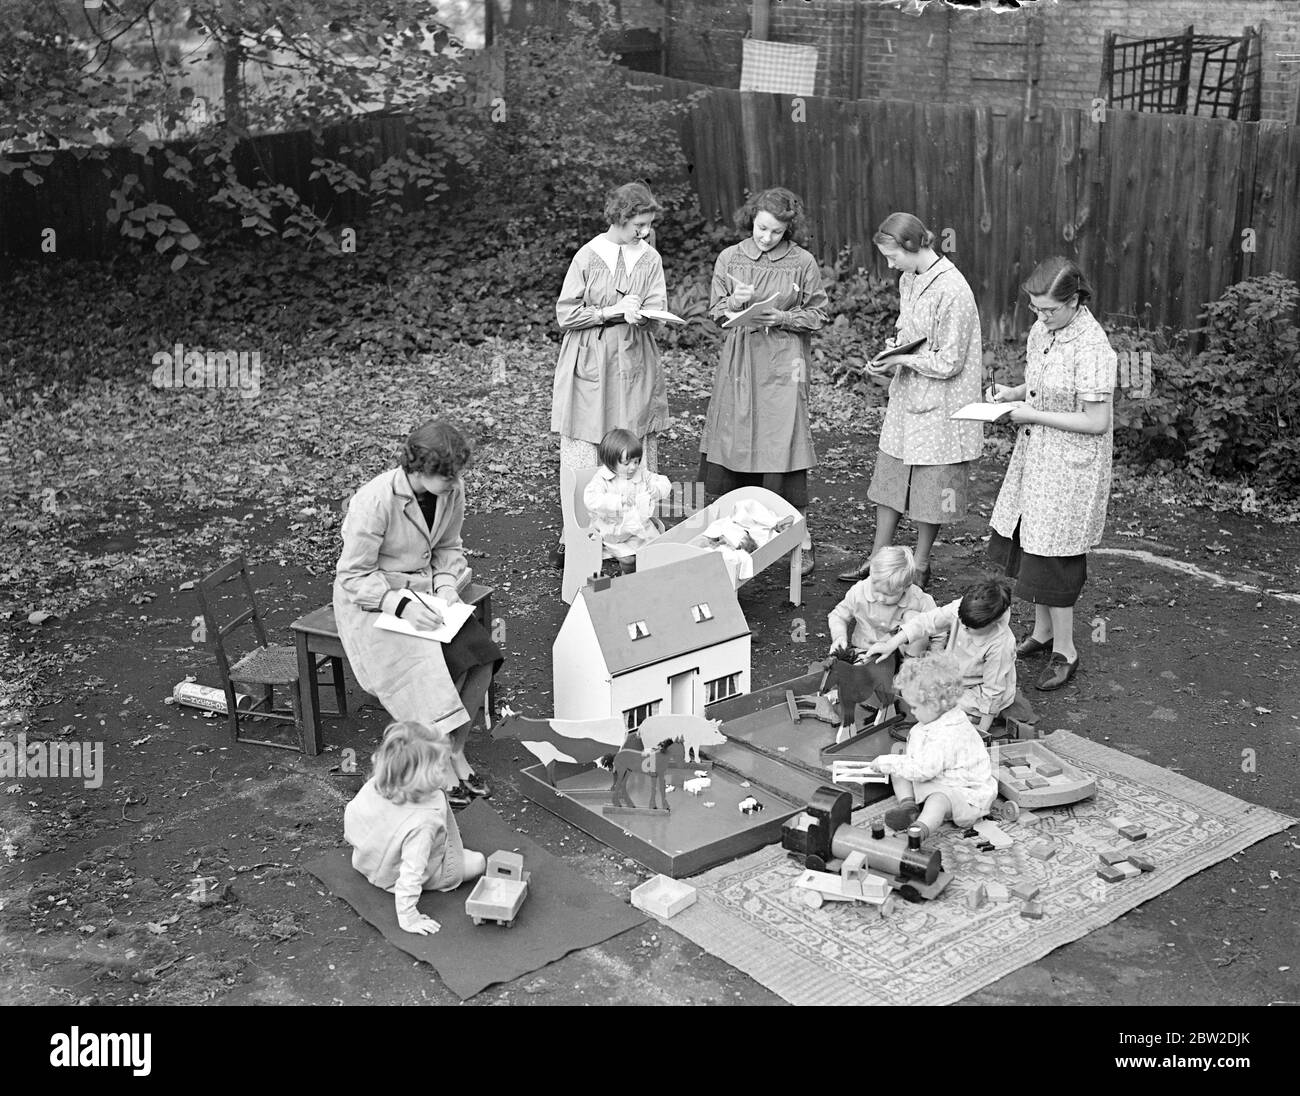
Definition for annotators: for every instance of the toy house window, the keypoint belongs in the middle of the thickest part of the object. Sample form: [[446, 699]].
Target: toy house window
[[634, 717], [721, 688], [638, 629], [701, 612]]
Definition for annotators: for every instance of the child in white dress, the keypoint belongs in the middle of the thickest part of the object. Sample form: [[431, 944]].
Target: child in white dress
[[404, 836], [946, 769], [622, 496]]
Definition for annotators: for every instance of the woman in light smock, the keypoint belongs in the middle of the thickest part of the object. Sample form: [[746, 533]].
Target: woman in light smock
[[402, 533], [1052, 506], [757, 430], [923, 462], [609, 374]]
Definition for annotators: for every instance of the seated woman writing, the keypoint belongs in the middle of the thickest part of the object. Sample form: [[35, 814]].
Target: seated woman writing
[[401, 536]]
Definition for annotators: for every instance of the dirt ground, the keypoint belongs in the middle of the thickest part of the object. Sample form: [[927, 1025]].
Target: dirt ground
[[97, 895]]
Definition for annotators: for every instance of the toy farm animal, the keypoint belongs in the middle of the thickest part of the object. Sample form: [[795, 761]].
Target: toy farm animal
[[633, 759], [857, 683], [692, 731]]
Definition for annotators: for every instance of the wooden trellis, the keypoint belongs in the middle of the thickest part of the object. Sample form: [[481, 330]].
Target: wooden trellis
[[1213, 75]]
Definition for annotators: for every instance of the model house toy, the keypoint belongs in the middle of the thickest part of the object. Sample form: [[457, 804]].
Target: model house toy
[[498, 895], [659, 642]]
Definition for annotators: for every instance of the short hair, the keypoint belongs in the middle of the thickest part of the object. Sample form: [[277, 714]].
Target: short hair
[[628, 201], [785, 205], [984, 602], [412, 762], [1058, 278], [905, 231], [436, 448], [892, 569], [931, 679], [617, 445]]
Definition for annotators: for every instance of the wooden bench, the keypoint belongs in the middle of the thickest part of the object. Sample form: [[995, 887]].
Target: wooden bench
[[315, 635]]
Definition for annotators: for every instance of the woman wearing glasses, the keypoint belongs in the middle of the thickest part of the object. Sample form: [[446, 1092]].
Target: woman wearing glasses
[[1052, 505]]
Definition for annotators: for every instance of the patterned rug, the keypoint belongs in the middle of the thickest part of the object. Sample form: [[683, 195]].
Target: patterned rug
[[933, 953]]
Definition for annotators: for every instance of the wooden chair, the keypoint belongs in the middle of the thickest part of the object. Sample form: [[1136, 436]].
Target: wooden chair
[[265, 666]]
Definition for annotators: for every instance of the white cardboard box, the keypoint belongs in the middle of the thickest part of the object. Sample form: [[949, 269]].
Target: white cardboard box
[[663, 897]]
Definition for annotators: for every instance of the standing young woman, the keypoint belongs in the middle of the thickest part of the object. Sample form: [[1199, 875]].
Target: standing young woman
[[608, 375], [1052, 506], [757, 431], [923, 462]]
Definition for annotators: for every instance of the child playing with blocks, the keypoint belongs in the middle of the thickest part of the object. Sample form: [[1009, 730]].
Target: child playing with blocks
[[946, 768], [980, 638], [404, 837], [621, 498]]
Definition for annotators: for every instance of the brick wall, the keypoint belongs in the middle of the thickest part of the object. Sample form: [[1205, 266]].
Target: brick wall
[[955, 55]]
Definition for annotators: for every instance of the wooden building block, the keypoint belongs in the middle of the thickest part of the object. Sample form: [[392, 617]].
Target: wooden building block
[[976, 898], [1021, 768], [1142, 863], [1131, 871], [1111, 874], [1027, 818], [997, 892], [1049, 768], [1041, 850], [1113, 856], [1025, 891], [1119, 822], [1133, 833], [1036, 782], [1033, 911]]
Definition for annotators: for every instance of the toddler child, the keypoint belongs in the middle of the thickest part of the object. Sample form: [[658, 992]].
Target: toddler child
[[621, 497], [886, 598], [981, 640], [404, 837], [946, 768]]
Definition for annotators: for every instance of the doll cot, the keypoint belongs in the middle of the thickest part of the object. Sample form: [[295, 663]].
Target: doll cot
[[583, 548], [675, 544]]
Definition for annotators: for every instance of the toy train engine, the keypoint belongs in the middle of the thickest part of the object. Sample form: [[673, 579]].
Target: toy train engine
[[823, 832]]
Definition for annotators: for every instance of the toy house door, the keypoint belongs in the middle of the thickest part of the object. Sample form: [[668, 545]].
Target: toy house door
[[684, 693]]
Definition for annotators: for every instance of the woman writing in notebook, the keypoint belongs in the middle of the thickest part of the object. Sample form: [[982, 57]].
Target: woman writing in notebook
[[402, 538], [608, 374], [1052, 506], [924, 458], [757, 431]]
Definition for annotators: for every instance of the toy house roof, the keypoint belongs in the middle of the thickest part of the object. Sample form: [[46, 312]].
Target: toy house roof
[[663, 597]]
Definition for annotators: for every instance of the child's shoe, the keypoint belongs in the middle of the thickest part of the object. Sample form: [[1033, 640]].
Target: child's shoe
[[458, 797], [901, 817]]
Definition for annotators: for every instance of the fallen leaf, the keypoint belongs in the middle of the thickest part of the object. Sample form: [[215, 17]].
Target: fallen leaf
[[39, 617]]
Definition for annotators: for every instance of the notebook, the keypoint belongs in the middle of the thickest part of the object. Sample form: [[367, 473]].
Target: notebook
[[454, 616]]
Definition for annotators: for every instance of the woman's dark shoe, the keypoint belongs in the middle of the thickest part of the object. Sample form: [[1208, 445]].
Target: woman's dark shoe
[[1029, 646], [923, 578], [1058, 673], [854, 574], [557, 557], [459, 797], [476, 786]]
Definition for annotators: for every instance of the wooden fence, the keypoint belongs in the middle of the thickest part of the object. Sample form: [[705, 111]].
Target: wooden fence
[[1156, 208]]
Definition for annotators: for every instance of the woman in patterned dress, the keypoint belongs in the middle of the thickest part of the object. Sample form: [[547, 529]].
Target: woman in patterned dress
[[1052, 506], [608, 375], [923, 461], [756, 431]]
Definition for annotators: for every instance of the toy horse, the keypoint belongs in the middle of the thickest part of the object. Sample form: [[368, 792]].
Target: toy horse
[[857, 683], [632, 758]]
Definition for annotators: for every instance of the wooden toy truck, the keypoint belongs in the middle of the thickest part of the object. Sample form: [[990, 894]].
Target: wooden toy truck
[[502, 890], [854, 883]]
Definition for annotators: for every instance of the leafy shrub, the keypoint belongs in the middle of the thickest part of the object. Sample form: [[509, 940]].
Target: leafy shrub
[[863, 308], [1232, 409]]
